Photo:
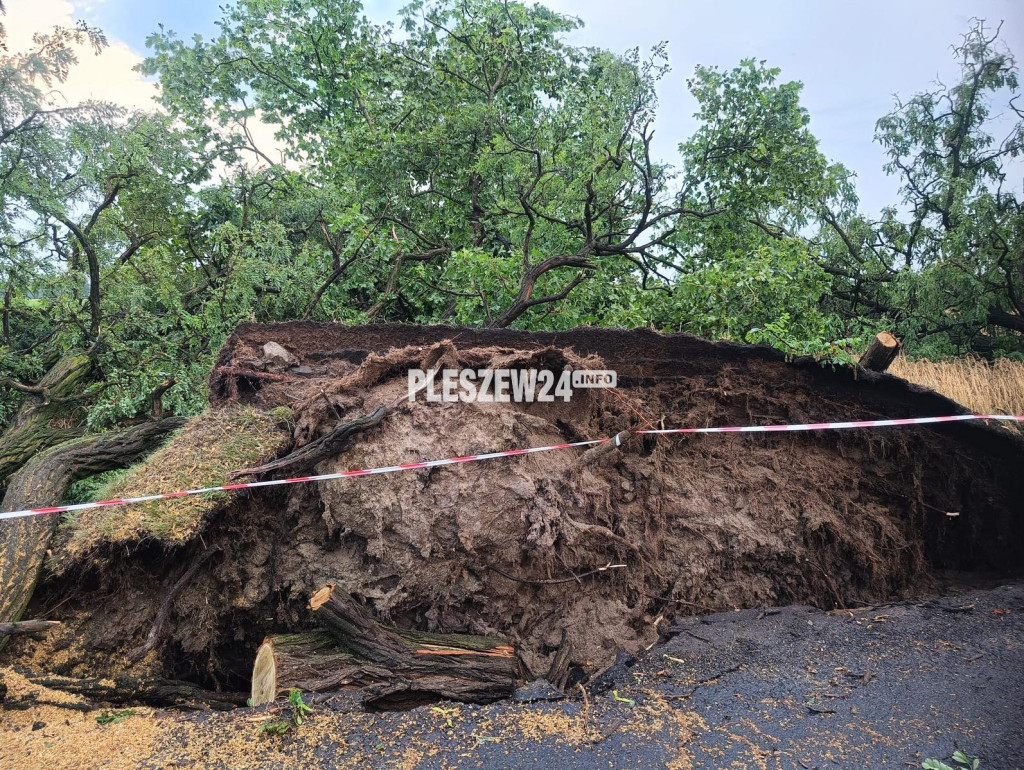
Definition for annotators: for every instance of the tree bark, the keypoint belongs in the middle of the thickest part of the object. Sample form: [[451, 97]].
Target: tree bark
[[158, 396], [43, 481], [998, 317], [29, 627], [149, 691], [46, 418], [355, 629], [311, 662], [525, 300], [423, 666], [881, 352], [392, 666]]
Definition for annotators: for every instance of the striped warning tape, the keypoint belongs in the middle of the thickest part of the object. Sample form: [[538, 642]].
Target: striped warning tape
[[299, 479], [841, 425], [494, 455]]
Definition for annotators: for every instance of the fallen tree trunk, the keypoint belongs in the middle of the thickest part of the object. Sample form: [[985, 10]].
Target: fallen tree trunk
[[356, 630], [49, 415], [393, 666], [529, 530], [999, 317], [881, 352], [43, 481], [459, 667]]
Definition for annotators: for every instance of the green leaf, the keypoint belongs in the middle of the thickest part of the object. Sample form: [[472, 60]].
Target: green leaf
[[628, 701]]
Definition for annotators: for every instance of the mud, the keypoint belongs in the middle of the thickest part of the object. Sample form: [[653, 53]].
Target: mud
[[701, 523]]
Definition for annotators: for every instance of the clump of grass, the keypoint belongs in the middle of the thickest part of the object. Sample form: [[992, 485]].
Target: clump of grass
[[87, 489], [201, 454], [113, 717], [983, 387]]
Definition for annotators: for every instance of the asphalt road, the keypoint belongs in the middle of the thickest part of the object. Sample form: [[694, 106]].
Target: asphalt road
[[884, 687]]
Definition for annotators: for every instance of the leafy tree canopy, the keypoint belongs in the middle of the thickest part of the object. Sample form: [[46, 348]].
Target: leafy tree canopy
[[468, 165]]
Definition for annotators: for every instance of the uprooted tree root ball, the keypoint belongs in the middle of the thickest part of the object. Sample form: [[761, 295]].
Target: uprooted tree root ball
[[516, 548]]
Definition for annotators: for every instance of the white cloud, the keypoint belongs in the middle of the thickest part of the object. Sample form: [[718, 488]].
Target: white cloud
[[108, 76]]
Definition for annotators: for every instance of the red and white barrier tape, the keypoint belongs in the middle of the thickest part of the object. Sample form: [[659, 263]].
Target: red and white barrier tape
[[507, 453], [841, 425], [298, 480]]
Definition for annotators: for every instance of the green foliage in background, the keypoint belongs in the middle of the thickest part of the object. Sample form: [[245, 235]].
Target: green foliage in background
[[468, 165]]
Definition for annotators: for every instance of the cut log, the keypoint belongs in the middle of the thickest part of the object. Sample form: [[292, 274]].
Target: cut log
[[392, 666], [43, 481], [881, 352], [356, 630], [127, 690], [423, 666], [311, 662]]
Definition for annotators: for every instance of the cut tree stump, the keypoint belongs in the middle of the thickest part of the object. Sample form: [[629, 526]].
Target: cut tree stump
[[393, 667], [881, 352]]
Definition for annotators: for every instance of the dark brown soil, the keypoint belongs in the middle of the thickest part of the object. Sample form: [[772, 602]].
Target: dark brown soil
[[700, 522], [795, 687]]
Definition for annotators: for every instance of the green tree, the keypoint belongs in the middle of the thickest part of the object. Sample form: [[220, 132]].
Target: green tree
[[483, 171], [472, 167], [746, 269], [947, 265], [29, 123]]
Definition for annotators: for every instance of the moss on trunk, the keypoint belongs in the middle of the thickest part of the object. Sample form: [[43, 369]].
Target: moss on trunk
[[42, 481], [47, 418]]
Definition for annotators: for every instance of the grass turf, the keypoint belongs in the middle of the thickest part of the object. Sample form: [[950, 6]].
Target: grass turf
[[201, 454]]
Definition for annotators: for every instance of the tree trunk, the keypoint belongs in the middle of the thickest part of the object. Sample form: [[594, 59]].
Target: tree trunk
[[47, 418], [356, 630], [881, 352], [311, 662], [998, 317], [43, 481], [392, 666]]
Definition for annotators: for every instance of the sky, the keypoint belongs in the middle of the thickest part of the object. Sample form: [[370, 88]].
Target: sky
[[852, 57]]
